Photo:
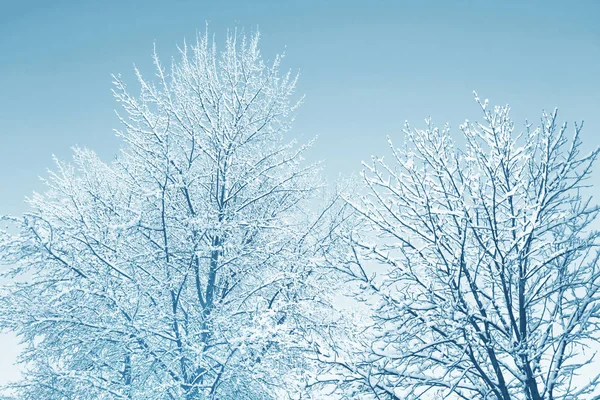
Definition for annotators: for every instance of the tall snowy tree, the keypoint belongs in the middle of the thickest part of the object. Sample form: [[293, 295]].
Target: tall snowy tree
[[185, 269], [492, 289]]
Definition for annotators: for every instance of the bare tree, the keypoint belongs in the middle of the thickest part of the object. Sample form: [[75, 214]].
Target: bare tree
[[185, 268], [492, 282]]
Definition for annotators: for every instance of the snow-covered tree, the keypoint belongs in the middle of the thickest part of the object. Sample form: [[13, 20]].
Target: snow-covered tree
[[185, 268], [493, 275]]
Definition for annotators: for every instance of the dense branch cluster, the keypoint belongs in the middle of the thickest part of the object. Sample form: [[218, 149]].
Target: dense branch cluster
[[170, 272]]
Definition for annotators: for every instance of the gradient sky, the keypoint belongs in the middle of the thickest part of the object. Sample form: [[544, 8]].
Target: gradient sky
[[366, 67]]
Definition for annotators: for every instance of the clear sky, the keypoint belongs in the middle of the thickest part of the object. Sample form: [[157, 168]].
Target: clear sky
[[366, 67]]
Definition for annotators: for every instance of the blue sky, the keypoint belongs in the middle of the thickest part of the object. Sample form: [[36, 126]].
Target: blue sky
[[366, 67]]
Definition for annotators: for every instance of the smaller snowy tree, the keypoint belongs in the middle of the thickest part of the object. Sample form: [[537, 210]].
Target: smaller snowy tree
[[492, 288]]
